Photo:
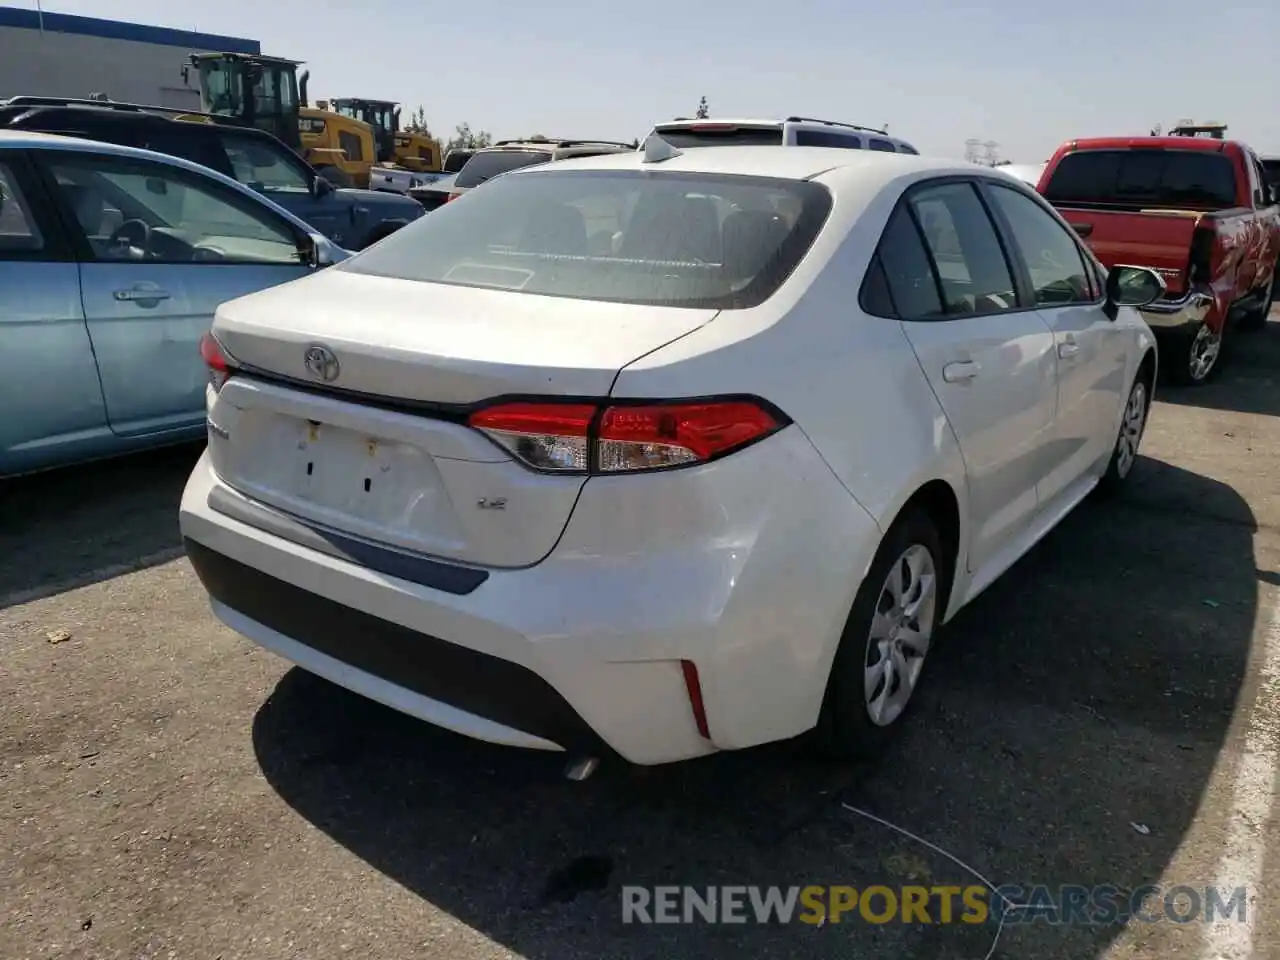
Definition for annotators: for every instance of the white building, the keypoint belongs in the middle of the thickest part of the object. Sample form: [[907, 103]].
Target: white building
[[58, 55]]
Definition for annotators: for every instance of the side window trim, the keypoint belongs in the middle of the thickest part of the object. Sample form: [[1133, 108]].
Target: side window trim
[[84, 251], [1024, 272], [1021, 283], [910, 211], [24, 166]]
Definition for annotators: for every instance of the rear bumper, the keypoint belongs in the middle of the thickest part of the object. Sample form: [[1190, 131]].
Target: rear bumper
[[749, 579], [1184, 313]]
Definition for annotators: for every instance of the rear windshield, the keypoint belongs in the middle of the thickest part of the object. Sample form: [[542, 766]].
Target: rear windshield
[[722, 136], [486, 166], [656, 238], [1271, 167], [1193, 179]]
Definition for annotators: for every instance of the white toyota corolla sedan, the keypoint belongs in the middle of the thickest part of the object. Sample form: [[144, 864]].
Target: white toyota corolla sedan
[[658, 454]]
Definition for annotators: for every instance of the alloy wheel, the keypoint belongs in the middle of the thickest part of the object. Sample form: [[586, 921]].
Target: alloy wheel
[[901, 630], [1131, 427], [1205, 348]]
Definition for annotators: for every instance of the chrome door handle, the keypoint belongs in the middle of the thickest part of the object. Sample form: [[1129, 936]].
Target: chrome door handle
[[1068, 350], [960, 372], [134, 294]]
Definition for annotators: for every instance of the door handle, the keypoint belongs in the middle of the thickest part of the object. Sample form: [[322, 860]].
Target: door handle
[[135, 294], [960, 372], [1068, 350]]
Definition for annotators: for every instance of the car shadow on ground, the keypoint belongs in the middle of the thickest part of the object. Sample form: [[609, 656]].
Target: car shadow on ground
[[52, 531], [1250, 378], [1088, 691]]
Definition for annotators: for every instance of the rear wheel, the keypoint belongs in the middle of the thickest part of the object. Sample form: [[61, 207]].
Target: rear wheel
[[880, 661], [1194, 358]]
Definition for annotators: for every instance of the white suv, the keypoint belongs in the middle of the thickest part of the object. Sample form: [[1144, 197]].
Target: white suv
[[506, 155], [791, 132]]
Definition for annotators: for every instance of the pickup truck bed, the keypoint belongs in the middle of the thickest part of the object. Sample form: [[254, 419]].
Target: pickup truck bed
[[1196, 211]]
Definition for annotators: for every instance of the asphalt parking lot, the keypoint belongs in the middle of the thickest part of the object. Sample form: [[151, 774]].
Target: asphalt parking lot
[[1105, 714]]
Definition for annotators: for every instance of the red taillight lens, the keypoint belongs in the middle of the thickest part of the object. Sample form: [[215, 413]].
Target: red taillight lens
[[216, 359], [618, 438], [546, 436]]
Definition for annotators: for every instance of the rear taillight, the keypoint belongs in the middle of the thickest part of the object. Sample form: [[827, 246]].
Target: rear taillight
[[216, 359], [575, 437], [1200, 263]]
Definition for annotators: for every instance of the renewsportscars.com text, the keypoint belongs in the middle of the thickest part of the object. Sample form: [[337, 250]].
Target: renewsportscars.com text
[[974, 904]]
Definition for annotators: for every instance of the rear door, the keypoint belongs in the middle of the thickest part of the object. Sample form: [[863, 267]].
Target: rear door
[[50, 401], [1090, 349], [988, 357], [160, 248]]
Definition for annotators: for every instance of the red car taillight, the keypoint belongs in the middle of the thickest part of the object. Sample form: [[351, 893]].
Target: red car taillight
[[576, 437], [216, 359]]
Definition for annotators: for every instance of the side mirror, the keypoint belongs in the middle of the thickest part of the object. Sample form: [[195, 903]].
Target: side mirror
[[1133, 286], [320, 187], [318, 251]]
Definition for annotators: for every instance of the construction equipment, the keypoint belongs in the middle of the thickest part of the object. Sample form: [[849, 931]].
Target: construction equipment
[[413, 151], [266, 92], [1190, 128]]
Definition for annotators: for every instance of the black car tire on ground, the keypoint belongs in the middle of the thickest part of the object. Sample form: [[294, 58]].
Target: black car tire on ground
[[845, 730]]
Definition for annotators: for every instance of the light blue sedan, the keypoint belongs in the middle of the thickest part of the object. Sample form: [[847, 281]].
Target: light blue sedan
[[112, 262]]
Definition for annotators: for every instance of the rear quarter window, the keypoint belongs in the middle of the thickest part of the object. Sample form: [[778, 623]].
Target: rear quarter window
[[486, 166], [1190, 179]]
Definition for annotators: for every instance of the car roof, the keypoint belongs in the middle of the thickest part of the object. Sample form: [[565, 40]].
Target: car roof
[[1206, 144], [789, 163]]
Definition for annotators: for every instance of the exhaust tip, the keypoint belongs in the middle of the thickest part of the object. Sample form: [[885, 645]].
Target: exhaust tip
[[578, 770]]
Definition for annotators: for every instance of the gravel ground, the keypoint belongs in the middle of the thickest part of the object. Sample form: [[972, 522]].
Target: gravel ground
[[1100, 716]]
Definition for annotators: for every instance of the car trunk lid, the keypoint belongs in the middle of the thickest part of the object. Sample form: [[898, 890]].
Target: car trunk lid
[[381, 450]]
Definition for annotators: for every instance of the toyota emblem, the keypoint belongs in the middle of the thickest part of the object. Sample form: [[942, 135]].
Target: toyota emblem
[[321, 363]]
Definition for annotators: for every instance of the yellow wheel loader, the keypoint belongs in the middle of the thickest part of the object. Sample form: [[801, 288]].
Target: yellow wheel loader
[[266, 92]]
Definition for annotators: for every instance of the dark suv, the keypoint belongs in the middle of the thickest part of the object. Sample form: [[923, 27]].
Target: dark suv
[[350, 218]]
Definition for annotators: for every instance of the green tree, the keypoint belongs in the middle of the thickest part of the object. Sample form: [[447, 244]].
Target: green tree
[[418, 123], [703, 111], [467, 139]]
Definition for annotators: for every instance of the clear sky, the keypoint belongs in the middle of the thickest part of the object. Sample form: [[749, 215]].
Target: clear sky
[[1028, 76]]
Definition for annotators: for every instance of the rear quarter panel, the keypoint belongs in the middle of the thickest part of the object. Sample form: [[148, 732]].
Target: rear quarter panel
[[851, 382]]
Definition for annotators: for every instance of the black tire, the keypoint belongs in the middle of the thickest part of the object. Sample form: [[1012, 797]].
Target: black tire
[[1133, 424], [845, 728], [1178, 353]]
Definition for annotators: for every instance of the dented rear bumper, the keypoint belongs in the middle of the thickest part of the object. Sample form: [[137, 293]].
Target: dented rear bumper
[[1185, 312]]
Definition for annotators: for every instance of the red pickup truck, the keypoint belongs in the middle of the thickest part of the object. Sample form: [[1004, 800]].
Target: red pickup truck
[[1198, 211]]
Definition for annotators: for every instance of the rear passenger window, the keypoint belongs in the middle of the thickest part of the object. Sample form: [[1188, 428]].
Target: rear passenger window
[[972, 269], [18, 230], [823, 138], [884, 146], [907, 274]]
